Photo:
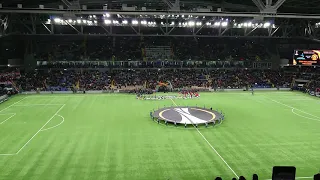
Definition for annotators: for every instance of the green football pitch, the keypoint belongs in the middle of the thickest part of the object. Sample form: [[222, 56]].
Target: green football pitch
[[111, 136]]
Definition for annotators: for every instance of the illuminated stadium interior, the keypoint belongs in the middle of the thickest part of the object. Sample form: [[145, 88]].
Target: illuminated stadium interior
[[159, 89]]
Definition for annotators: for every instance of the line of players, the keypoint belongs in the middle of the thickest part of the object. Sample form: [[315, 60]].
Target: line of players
[[182, 95], [189, 94]]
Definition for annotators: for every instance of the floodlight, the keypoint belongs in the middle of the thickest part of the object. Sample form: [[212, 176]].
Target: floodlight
[[249, 24], [191, 23], [135, 22], [124, 22], [84, 21], [217, 24], [266, 25], [224, 24], [57, 20], [199, 23], [79, 21], [144, 22], [70, 20], [107, 21], [172, 23], [107, 15], [208, 23]]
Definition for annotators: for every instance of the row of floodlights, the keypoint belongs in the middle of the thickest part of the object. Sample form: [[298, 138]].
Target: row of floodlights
[[107, 15], [250, 24], [188, 23], [71, 21], [153, 23], [133, 22]]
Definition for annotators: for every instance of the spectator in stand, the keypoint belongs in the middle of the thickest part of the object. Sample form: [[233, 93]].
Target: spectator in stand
[[63, 80]]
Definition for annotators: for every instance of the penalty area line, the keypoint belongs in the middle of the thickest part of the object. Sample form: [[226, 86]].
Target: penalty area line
[[40, 129], [293, 108], [313, 119], [298, 178], [13, 104], [38, 105], [8, 118], [225, 162], [7, 154]]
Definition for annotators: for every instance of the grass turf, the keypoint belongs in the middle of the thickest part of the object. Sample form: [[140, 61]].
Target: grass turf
[[112, 137]]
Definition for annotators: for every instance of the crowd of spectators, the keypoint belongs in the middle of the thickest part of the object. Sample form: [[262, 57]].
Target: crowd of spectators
[[143, 64], [8, 77], [63, 80], [57, 79]]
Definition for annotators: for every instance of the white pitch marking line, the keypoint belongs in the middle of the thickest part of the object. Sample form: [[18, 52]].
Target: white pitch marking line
[[294, 108], [38, 105], [304, 116], [55, 125], [7, 154], [8, 118], [304, 177], [299, 178], [212, 147], [41, 128], [13, 104], [46, 96]]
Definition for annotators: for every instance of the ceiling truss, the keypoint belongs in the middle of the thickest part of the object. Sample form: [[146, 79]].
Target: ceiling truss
[[28, 22], [268, 7], [33, 26], [264, 13]]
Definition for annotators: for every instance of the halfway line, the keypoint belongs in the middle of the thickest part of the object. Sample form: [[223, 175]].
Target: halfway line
[[211, 146]]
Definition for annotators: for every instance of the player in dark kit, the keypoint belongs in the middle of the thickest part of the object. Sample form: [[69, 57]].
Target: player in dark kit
[[252, 91]]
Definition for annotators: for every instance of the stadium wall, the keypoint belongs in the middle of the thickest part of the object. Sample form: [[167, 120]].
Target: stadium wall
[[3, 98]]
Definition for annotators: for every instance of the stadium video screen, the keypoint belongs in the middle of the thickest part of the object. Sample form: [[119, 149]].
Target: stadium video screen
[[306, 57]]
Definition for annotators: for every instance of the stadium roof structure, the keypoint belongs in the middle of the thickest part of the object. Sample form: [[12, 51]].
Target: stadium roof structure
[[204, 18]]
